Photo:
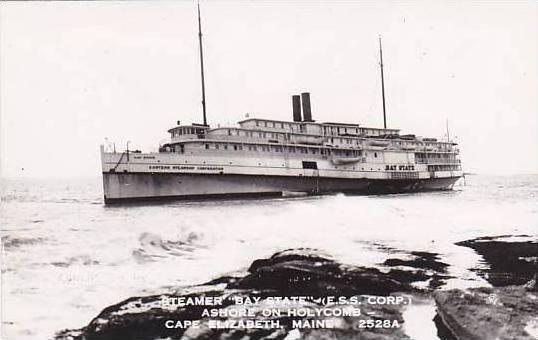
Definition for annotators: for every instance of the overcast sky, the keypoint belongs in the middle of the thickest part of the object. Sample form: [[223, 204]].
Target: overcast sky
[[73, 73]]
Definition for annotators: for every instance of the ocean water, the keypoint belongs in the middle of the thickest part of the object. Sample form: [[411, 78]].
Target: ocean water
[[66, 256]]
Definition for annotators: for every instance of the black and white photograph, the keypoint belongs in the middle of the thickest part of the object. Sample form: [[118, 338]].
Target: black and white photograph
[[269, 169]]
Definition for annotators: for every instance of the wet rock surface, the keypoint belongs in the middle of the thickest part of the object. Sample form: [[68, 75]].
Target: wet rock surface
[[511, 260], [425, 260], [291, 273], [505, 311]]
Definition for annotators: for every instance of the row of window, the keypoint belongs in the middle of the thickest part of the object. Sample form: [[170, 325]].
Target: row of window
[[279, 148], [281, 136], [327, 129], [444, 167], [187, 131], [435, 155], [280, 125], [336, 130], [333, 140]]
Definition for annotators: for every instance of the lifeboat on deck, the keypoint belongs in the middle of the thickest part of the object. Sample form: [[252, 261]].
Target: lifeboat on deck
[[379, 142], [346, 160]]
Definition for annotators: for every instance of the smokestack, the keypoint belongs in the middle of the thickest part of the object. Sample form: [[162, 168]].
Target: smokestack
[[307, 113], [296, 103]]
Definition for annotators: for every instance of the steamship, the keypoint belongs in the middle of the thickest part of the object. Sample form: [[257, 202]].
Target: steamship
[[266, 157]]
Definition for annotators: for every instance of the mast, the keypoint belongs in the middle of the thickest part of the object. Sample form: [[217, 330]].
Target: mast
[[201, 64], [382, 84]]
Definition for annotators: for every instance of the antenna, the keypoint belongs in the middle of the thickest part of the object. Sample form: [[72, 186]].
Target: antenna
[[447, 132], [382, 84], [201, 64]]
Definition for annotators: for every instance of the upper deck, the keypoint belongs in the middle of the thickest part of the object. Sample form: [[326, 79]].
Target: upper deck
[[337, 135], [303, 130], [313, 128]]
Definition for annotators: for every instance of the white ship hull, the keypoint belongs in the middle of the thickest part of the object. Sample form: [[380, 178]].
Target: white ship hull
[[170, 176], [121, 187]]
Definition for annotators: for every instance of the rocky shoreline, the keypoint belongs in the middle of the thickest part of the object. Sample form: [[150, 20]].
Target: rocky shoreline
[[330, 293], [507, 310]]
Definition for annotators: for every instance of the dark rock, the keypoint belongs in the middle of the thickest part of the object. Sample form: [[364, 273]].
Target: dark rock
[[510, 262], [227, 279], [489, 313], [408, 276], [305, 254], [294, 273], [427, 265], [437, 281], [443, 333], [422, 260], [481, 313]]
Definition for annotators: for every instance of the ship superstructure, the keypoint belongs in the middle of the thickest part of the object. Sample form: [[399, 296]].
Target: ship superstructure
[[272, 157], [261, 157]]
